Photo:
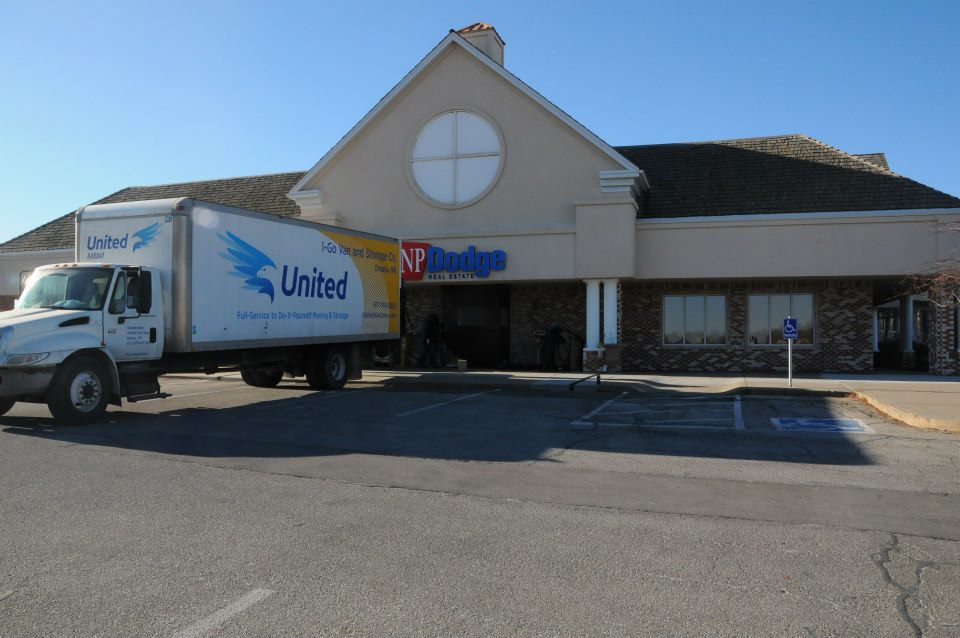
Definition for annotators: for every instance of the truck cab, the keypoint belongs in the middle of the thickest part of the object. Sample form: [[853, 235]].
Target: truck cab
[[74, 328]]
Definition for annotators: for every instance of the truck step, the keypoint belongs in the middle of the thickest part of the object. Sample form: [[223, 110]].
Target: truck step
[[148, 397]]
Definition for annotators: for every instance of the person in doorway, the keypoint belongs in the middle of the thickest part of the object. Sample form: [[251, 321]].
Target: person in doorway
[[431, 343]]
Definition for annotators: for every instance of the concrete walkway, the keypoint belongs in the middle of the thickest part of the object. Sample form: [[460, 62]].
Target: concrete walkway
[[925, 401]]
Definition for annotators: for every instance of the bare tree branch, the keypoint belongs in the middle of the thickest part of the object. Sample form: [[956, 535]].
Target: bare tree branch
[[942, 284]]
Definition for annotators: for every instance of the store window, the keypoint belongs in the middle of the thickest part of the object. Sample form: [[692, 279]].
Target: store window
[[456, 158], [694, 320], [765, 315]]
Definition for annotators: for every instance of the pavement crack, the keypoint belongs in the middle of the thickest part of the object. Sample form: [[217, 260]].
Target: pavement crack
[[907, 591]]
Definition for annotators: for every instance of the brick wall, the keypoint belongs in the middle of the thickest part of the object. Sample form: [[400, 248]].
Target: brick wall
[[844, 325], [6, 303], [943, 354], [532, 307], [419, 302], [538, 306], [843, 329]]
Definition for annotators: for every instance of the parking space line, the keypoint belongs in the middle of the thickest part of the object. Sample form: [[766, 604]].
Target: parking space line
[[440, 405], [583, 421], [662, 421], [219, 617], [643, 411], [196, 394], [738, 414], [658, 426]]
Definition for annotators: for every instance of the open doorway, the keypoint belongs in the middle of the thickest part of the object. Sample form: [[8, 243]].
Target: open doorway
[[476, 324]]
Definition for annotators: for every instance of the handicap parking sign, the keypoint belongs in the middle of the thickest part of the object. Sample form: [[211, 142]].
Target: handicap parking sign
[[790, 328]]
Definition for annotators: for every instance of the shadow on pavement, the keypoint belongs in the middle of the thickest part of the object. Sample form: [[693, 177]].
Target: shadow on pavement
[[502, 425]]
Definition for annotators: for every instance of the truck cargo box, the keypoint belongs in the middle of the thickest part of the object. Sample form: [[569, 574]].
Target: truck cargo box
[[234, 278]]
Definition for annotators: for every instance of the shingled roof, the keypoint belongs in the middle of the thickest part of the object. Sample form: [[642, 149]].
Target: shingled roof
[[779, 174], [877, 159], [265, 193]]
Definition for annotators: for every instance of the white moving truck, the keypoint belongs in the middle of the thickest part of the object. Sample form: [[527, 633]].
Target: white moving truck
[[182, 285]]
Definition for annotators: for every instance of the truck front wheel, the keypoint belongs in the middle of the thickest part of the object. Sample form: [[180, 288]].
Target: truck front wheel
[[79, 392], [327, 369], [261, 377], [5, 405]]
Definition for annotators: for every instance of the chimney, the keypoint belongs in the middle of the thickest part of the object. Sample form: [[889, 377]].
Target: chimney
[[485, 38]]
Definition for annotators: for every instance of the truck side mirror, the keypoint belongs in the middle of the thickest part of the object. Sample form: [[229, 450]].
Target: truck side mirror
[[145, 299]]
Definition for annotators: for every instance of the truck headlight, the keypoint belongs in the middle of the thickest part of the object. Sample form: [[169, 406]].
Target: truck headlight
[[25, 359]]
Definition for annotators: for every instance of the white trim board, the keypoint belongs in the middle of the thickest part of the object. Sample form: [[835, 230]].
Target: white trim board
[[455, 39], [759, 217]]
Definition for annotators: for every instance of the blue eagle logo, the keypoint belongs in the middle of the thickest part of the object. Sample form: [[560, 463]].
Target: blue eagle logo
[[248, 262], [145, 236]]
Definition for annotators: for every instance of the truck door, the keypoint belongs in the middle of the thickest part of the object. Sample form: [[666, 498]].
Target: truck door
[[131, 324]]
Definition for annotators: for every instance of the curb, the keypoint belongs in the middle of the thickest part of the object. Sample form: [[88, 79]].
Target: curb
[[908, 417]]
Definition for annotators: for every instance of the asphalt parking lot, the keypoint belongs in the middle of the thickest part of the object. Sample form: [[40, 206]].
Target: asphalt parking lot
[[233, 511]]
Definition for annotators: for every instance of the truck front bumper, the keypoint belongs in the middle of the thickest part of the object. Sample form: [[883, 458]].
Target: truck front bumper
[[19, 382]]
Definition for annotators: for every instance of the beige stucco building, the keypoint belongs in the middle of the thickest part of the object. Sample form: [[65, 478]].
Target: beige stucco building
[[518, 219]]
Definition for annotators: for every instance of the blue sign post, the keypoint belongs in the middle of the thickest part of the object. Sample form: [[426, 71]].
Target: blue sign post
[[790, 333]]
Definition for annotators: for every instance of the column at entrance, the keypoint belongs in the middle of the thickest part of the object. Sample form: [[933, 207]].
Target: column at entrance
[[592, 353], [908, 357], [593, 313], [602, 353], [611, 322]]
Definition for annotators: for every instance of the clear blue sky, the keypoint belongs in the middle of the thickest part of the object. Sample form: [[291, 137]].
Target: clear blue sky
[[95, 96]]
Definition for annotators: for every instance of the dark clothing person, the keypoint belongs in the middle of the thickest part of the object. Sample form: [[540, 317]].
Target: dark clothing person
[[431, 343]]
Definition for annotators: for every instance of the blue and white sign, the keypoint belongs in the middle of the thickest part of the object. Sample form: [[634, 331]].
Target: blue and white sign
[[834, 426], [790, 331]]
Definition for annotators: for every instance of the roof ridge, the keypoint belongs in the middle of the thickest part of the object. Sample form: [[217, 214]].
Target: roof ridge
[[887, 171], [720, 141], [206, 181], [852, 156]]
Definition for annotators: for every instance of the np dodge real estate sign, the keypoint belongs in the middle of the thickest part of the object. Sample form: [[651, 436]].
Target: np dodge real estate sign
[[420, 260]]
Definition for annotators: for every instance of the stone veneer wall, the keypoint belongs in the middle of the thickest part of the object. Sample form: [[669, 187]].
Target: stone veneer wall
[[538, 306], [843, 328], [419, 302], [943, 353], [532, 307]]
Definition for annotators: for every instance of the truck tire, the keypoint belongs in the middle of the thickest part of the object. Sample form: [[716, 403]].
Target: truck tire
[[5, 405], [261, 377], [327, 369], [79, 392]]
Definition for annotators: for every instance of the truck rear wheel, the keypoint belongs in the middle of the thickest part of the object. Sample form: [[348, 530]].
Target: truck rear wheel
[[5, 405], [261, 377], [327, 369], [79, 392]]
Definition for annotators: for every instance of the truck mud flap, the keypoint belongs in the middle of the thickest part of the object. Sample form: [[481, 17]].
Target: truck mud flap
[[354, 370]]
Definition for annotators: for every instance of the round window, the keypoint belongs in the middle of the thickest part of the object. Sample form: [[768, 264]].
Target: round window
[[456, 158]]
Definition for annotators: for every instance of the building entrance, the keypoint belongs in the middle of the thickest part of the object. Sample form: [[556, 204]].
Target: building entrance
[[476, 324]]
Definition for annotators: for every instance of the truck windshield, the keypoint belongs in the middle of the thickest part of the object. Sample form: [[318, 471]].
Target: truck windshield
[[67, 288]]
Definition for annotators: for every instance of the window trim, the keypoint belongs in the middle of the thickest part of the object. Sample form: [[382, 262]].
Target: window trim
[[813, 300], [409, 160], [663, 319]]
